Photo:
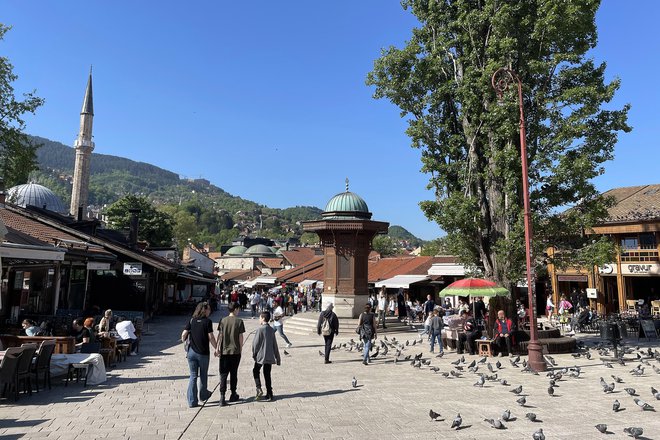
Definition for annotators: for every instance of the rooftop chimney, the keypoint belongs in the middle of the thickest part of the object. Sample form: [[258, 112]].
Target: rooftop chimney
[[133, 231], [2, 192]]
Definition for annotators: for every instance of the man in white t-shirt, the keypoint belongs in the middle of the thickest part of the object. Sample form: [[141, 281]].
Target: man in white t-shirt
[[382, 307], [278, 314]]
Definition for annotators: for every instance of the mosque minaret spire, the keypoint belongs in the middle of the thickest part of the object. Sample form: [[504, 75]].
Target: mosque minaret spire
[[84, 147]]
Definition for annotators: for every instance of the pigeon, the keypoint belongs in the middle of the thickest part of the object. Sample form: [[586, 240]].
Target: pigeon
[[407, 343], [414, 342], [645, 406], [434, 369], [441, 354], [462, 359], [617, 379], [321, 353], [538, 435], [407, 358], [434, 415], [531, 417], [445, 374], [490, 367], [602, 428], [427, 362], [286, 353], [472, 364], [497, 423], [631, 391], [480, 382], [498, 364], [521, 401], [608, 365], [456, 362], [354, 382], [608, 388], [457, 421], [551, 391], [516, 390], [504, 382], [655, 393], [455, 373], [516, 359], [634, 432], [506, 415], [616, 405], [483, 360]]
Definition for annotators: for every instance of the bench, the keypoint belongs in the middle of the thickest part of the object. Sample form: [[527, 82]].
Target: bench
[[63, 344]]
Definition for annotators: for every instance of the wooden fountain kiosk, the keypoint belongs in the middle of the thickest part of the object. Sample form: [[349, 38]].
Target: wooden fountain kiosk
[[346, 231]]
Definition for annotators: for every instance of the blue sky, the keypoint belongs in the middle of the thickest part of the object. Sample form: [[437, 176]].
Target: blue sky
[[268, 100]]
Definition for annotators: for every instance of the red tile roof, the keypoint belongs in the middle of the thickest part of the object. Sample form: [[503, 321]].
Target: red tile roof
[[389, 267], [298, 256], [272, 263], [302, 270], [239, 275]]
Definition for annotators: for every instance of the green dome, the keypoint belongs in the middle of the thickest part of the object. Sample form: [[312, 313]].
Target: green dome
[[347, 204], [260, 250], [236, 251]]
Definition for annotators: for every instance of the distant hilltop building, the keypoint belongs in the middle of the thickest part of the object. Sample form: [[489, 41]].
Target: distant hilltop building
[[84, 147]]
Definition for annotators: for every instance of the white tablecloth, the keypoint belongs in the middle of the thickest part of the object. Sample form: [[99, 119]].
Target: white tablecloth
[[59, 365]]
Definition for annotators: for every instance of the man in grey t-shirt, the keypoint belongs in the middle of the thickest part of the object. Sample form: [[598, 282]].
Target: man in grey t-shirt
[[230, 345]]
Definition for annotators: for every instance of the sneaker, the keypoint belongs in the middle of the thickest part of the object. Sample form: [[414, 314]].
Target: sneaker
[[269, 398], [328, 362], [223, 402], [365, 362], [260, 394], [234, 397], [132, 353], [289, 345]]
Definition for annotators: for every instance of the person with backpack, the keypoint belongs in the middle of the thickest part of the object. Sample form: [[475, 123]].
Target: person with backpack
[[328, 326], [367, 330]]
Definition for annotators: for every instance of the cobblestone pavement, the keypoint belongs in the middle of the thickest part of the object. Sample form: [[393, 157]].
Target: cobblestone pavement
[[144, 398]]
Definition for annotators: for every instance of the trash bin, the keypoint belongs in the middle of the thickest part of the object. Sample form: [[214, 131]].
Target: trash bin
[[609, 331]]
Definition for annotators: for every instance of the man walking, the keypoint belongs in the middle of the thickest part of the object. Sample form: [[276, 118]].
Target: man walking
[[230, 345], [436, 324], [429, 305], [382, 307], [328, 326]]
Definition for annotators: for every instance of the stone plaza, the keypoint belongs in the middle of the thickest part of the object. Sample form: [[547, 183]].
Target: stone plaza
[[144, 397]]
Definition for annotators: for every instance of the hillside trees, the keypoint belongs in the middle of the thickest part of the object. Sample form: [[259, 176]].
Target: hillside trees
[[17, 153], [441, 81], [155, 226]]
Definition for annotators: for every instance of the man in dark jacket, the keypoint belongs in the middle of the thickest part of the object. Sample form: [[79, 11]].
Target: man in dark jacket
[[467, 337], [328, 326]]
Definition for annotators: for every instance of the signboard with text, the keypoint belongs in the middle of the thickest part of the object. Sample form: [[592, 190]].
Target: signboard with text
[[132, 268], [647, 269]]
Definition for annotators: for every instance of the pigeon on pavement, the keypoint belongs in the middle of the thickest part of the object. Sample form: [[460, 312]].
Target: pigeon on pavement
[[551, 391], [521, 401], [506, 415], [602, 428], [631, 391], [531, 416], [538, 435], [354, 382], [516, 390], [645, 406], [434, 415], [634, 432], [616, 405], [496, 423], [458, 420]]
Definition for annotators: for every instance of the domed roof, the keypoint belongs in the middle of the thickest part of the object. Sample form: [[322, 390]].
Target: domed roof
[[346, 205], [36, 195], [236, 251], [260, 250]]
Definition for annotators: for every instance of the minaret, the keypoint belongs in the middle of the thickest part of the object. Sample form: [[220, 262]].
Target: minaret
[[84, 146]]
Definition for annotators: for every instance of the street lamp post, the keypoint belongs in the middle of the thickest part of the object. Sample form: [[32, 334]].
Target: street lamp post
[[502, 79]]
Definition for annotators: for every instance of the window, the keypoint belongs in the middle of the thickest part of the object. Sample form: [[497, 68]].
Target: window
[[629, 243], [647, 241]]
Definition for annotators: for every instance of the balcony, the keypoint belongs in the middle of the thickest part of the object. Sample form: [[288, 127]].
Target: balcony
[[644, 253]]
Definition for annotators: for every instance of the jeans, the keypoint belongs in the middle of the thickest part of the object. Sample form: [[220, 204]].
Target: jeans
[[381, 317], [229, 366], [328, 345], [367, 348], [257, 380], [280, 329], [254, 310], [436, 336], [199, 368]]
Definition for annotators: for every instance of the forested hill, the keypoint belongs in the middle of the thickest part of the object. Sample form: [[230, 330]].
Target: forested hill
[[113, 177]]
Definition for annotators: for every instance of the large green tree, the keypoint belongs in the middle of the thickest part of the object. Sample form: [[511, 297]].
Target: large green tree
[[155, 227], [17, 153], [469, 139]]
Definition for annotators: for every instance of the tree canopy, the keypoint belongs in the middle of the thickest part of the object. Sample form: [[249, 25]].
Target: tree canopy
[[155, 227], [17, 153], [469, 139]]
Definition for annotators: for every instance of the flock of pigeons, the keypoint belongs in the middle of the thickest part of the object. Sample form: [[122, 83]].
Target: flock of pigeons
[[486, 371]]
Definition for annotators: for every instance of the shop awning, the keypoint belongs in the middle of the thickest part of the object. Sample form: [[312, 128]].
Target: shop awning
[[260, 280], [195, 277], [305, 283], [401, 281], [447, 269]]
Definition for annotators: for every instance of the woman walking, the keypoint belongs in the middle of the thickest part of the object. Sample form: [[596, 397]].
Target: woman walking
[[367, 327], [265, 353], [199, 333], [549, 306]]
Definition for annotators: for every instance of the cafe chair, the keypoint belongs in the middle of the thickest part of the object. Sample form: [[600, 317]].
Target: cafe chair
[[8, 369], [655, 308], [25, 367], [631, 305], [79, 369], [42, 362]]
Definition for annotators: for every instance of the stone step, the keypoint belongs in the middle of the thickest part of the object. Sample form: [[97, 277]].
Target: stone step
[[306, 324]]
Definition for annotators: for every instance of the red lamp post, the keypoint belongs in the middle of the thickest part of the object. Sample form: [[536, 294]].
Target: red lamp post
[[502, 79]]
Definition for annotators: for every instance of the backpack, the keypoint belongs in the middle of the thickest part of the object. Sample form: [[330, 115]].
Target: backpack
[[326, 329]]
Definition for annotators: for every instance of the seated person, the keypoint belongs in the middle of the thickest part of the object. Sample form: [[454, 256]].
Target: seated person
[[454, 326], [469, 334], [30, 328], [104, 325], [126, 331], [82, 334], [503, 332], [584, 318]]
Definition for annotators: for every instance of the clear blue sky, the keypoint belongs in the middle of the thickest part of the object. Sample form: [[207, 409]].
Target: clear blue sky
[[268, 99]]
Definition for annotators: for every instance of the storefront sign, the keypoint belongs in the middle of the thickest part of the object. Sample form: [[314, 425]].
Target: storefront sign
[[607, 269], [592, 293], [94, 265], [640, 269], [574, 278], [132, 268]]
